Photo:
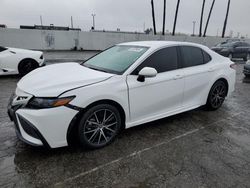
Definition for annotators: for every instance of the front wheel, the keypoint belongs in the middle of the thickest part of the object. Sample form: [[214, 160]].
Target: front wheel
[[99, 126], [217, 95], [27, 66]]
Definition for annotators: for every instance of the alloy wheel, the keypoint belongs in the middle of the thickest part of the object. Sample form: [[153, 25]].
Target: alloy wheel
[[218, 95], [100, 127]]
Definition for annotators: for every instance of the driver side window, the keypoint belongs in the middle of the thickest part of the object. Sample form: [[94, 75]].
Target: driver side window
[[163, 60]]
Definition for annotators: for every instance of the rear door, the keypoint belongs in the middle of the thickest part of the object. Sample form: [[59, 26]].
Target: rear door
[[198, 71], [155, 97]]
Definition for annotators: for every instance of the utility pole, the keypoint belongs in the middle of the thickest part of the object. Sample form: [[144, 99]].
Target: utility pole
[[194, 22], [164, 18], [202, 12], [153, 15], [93, 15], [225, 23], [41, 20], [208, 19], [72, 22], [176, 15]]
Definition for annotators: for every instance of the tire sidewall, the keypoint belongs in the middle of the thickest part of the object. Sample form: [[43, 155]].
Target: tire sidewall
[[83, 140]]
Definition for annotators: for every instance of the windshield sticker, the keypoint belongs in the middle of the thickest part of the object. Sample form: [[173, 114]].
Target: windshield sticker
[[135, 49]]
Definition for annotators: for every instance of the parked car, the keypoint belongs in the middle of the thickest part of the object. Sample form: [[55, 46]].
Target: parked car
[[19, 61], [124, 86], [246, 69], [234, 50]]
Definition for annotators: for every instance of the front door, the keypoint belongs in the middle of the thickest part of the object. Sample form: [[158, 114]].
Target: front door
[[158, 96]]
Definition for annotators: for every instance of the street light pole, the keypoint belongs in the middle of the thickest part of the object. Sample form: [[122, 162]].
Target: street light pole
[[41, 20], [93, 15], [194, 22]]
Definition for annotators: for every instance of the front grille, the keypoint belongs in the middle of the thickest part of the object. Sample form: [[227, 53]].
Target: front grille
[[27, 127]]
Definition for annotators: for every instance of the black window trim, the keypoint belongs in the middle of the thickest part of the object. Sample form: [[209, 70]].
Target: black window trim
[[179, 66]]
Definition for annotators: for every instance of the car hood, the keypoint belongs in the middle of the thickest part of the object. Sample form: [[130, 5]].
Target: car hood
[[52, 80]]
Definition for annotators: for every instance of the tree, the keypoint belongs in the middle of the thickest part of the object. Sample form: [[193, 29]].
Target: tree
[[208, 19], [176, 15], [225, 23], [202, 12], [153, 15], [164, 18]]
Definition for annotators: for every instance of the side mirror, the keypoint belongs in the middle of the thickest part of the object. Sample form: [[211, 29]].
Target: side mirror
[[146, 72]]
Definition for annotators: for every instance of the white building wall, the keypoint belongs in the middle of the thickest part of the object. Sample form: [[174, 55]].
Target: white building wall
[[67, 40]]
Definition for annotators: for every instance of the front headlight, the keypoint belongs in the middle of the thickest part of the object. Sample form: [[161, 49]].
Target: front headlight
[[248, 62], [40, 103]]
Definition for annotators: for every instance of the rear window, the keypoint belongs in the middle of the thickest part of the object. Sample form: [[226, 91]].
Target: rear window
[[192, 56], [206, 57]]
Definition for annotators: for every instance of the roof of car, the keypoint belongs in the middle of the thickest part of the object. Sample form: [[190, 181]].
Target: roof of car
[[157, 44]]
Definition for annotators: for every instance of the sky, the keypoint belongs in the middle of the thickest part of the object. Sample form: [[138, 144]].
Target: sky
[[128, 15]]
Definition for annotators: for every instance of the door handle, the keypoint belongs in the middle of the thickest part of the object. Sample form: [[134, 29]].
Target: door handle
[[176, 77]]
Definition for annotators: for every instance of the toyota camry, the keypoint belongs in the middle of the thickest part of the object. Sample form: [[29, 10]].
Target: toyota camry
[[124, 86]]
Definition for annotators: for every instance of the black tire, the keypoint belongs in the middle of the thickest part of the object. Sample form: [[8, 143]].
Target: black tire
[[26, 66], [217, 95], [247, 57], [247, 75], [99, 126]]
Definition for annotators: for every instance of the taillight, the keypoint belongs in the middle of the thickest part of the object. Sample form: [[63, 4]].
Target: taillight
[[233, 66]]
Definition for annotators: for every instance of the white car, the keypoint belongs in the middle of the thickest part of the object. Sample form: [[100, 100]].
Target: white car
[[124, 86], [19, 61]]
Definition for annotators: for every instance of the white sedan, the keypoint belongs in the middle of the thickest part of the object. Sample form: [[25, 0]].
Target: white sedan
[[19, 61], [124, 86]]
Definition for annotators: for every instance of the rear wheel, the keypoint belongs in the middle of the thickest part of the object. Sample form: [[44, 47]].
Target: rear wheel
[[99, 126], [27, 66], [217, 95]]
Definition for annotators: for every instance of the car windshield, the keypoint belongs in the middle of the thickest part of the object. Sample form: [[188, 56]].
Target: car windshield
[[116, 59]]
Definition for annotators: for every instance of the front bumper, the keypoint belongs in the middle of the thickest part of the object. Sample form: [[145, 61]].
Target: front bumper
[[42, 127], [41, 62]]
